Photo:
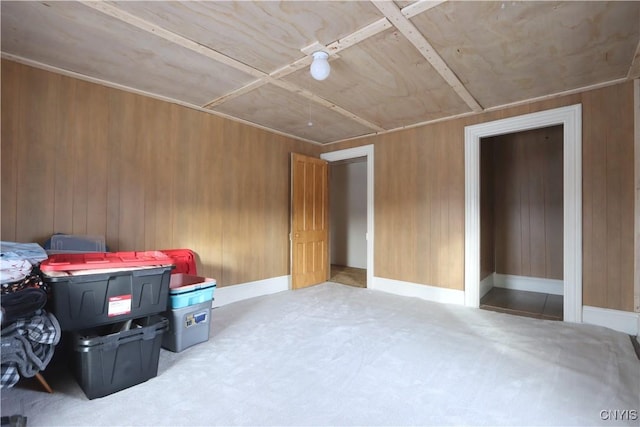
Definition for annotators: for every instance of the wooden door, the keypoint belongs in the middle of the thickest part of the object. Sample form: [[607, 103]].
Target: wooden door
[[309, 215]]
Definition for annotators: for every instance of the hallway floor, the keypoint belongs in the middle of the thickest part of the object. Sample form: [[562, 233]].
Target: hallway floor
[[348, 276], [524, 303]]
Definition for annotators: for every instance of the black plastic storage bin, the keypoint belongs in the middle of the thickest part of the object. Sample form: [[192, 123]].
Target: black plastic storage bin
[[107, 362], [88, 300]]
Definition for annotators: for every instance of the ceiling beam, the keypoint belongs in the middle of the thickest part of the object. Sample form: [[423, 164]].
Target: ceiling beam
[[263, 78], [328, 104], [418, 7], [406, 27], [170, 36], [391, 14], [236, 93], [359, 35], [333, 48]]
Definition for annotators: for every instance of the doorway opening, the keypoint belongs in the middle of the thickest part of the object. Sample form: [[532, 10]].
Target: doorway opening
[[570, 118], [348, 221], [351, 234], [521, 221]]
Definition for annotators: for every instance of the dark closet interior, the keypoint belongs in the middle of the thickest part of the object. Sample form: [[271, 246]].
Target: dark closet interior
[[521, 217]]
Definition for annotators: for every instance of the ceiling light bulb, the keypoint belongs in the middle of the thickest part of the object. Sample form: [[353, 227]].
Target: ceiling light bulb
[[320, 67]]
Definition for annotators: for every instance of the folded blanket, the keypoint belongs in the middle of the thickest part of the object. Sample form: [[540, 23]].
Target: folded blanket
[[13, 270], [32, 280], [27, 346], [22, 303], [16, 260], [32, 252]]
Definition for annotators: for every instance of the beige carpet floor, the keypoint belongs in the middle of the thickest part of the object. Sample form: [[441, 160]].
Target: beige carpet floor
[[334, 355]]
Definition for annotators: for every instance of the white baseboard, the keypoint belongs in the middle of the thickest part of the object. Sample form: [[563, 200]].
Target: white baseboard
[[623, 321], [426, 292], [486, 284], [531, 284], [228, 294]]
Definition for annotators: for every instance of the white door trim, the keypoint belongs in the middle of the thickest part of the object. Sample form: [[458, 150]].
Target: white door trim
[[352, 153], [571, 119]]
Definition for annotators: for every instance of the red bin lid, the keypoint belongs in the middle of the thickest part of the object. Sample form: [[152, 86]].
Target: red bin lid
[[98, 260], [184, 260]]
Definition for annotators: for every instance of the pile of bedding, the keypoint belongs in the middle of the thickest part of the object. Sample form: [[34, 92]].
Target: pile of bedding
[[29, 333]]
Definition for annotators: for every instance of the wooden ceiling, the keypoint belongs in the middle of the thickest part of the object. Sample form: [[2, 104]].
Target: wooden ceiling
[[393, 64]]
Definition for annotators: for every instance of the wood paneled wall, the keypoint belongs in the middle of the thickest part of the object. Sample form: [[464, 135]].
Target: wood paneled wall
[[86, 159], [81, 158], [419, 196], [607, 197], [419, 207], [525, 203]]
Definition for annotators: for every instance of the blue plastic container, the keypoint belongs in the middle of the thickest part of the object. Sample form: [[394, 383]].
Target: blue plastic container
[[186, 290]]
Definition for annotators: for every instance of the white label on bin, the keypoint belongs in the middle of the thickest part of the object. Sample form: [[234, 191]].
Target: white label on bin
[[195, 319], [118, 305]]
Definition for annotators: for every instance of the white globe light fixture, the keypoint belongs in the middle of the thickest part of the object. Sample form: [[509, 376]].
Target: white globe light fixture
[[320, 67]]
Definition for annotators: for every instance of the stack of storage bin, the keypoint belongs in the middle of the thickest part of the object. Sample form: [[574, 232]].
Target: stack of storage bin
[[190, 298], [111, 304]]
